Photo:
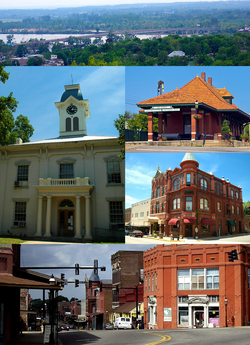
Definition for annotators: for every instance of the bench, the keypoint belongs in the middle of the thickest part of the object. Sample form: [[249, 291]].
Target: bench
[[174, 235], [171, 136]]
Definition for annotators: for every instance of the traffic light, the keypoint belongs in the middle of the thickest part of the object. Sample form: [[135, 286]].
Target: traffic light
[[95, 266], [76, 283], [100, 287], [63, 279], [77, 269], [233, 255]]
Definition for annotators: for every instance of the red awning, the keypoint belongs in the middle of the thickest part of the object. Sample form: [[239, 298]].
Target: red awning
[[173, 221], [188, 221], [206, 221]]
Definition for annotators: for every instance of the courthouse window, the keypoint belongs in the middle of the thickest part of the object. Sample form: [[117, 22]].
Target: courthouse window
[[116, 213], [114, 174], [66, 170], [22, 172], [20, 212]]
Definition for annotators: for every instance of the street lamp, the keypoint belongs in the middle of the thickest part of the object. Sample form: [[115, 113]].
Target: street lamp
[[226, 302]]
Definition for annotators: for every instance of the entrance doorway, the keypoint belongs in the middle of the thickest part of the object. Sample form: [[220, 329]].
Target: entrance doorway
[[198, 317], [66, 218], [187, 126], [188, 230]]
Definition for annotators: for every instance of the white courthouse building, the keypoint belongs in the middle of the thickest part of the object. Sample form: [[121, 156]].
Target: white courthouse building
[[68, 188]]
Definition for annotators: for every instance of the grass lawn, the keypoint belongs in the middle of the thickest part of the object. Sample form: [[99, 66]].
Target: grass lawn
[[4, 240]]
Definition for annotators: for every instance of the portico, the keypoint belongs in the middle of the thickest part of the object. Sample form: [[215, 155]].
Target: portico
[[71, 199]]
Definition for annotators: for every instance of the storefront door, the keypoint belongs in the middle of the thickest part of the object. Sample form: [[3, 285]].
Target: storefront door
[[188, 230], [198, 317], [66, 223]]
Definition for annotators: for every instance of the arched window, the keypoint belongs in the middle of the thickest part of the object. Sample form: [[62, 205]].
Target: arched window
[[68, 124], [176, 184], [66, 203], [203, 184], [75, 124]]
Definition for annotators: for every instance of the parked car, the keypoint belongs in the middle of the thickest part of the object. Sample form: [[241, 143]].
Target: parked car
[[137, 233], [64, 327], [126, 232], [123, 322], [109, 325]]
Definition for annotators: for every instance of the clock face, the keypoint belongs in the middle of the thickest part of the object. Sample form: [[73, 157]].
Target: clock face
[[72, 109]]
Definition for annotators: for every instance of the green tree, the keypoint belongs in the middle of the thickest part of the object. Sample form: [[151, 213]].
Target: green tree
[[139, 122], [35, 61], [226, 130], [21, 50], [10, 128], [7, 106], [246, 207], [120, 126]]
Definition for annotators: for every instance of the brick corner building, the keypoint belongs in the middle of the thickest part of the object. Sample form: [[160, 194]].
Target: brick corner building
[[190, 202], [191, 286]]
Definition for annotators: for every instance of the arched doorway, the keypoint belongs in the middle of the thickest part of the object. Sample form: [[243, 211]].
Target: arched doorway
[[66, 215]]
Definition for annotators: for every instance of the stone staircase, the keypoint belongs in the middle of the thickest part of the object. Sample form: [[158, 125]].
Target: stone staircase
[[217, 143]]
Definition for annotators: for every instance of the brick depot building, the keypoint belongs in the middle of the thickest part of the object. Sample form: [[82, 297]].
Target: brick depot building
[[190, 202], [175, 111], [196, 286]]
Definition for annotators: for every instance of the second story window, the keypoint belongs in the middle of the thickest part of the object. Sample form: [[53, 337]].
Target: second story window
[[158, 192], [218, 206], [204, 184], [157, 207], [189, 203], [66, 170], [22, 172], [232, 194], [114, 174], [232, 209], [188, 180], [204, 204], [176, 203]]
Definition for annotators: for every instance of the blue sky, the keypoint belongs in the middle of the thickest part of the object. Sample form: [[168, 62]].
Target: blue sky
[[67, 255], [141, 82], [38, 88], [142, 167]]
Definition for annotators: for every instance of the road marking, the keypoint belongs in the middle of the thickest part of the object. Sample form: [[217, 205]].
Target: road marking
[[163, 340]]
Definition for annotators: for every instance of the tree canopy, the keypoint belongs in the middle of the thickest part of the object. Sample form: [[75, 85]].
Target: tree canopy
[[119, 124], [10, 128]]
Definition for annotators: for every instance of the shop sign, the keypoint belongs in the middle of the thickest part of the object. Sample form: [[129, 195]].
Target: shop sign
[[167, 314]]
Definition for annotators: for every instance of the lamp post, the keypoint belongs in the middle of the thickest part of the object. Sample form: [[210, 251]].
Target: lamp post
[[196, 123], [52, 282], [226, 302]]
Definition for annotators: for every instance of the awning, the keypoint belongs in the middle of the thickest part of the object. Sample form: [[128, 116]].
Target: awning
[[173, 221], [206, 221], [230, 223], [188, 221]]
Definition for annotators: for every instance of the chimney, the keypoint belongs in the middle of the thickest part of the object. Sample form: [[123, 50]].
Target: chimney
[[209, 80], [18, 141], [203, 76]]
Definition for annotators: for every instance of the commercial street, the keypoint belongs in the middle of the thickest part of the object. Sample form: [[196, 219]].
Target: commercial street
[[145, 337], [245, 238]]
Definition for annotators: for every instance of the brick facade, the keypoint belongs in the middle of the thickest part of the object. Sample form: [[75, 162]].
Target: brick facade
[[186, 198], [189, 285]]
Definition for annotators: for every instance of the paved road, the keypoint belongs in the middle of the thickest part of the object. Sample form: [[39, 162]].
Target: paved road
[[222, 336], [148, 149], [225, 239]]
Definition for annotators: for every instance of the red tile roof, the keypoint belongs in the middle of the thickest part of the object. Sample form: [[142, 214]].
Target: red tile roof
[[195, 90]]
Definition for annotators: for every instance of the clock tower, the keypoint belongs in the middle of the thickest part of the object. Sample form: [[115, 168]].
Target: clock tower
[[73, 111]]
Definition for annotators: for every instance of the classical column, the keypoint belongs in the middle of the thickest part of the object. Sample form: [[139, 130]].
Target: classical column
[[39, 216], [78, 217], [87, 216], [150, 127], [48, 217]]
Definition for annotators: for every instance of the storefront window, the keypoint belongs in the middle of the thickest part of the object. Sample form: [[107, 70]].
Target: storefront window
[[183, 316], [214, 315]]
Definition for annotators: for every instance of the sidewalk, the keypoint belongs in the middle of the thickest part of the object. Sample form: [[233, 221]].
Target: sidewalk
[[191, 239], [32, 338]]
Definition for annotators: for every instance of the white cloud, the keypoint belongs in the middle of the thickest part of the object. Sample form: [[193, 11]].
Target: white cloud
[[139, 176]]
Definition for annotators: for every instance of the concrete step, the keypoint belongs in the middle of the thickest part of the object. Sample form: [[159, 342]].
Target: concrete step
[[217, 143]]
